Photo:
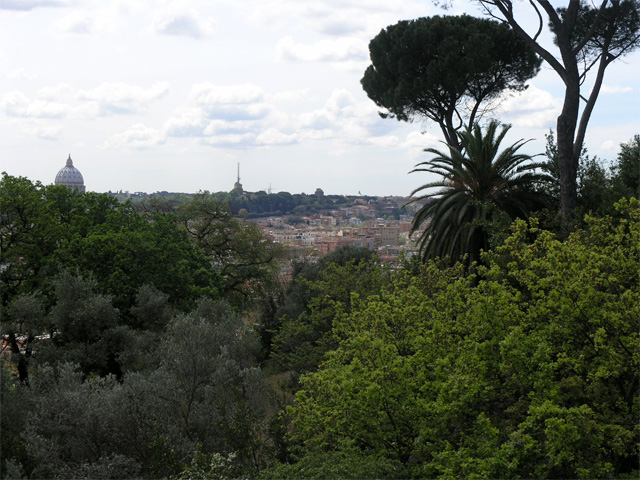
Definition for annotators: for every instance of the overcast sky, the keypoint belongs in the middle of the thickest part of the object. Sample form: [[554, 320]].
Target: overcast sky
[[172, 95]]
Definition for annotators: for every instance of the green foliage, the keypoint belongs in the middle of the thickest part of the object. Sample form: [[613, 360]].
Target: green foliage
[[598, 187], [47, 229], [152, 308], [26, 314], [626, 170], [530, 370], [212, 466], [28, 235], [13, 415], [302, 341], [345, 463], [239, 252], [128, 250], [478, 183], [288, 305], [446, 69], [203, 394]]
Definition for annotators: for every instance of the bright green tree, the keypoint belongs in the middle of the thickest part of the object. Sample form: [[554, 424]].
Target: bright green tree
[[478, 183], [529, 370]]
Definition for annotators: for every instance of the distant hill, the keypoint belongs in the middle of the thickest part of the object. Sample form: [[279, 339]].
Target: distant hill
[[263, 204]]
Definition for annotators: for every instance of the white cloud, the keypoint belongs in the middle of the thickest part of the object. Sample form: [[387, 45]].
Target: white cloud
[[75, 22], [231, 103], [21, 74], [211, 94], [217, 126], [340, 23], [615, 89], [332, 17], [329, 50], [343, 117], [317, 120], [54, 93], [182, 22], [123, 98], [385, 141], [26, 5], [609, 146], [45, 109], [416, 142], [229, 139], [32, 128], [16, 104], [46, 132], [60, 101], [222, 115], [275, 137], [137, 136], [292, 96], [187, 123], [534, 108]]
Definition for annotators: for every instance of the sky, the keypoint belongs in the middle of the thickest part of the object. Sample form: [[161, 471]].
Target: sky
[[150, 96]]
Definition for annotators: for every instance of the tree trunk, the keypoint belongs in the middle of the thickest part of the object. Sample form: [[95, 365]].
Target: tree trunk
[[568, 168], [567, 122]]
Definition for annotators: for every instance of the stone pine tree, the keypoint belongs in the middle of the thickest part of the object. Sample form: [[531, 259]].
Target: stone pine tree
[[449, 70]]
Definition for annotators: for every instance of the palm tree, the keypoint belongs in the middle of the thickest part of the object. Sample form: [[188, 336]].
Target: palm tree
[[478, 183]]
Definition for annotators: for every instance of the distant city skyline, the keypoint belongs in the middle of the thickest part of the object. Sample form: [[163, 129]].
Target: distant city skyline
[[154, 96]]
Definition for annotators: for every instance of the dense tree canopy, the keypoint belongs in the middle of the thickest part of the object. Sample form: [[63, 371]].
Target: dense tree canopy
[[202, 395], [446, 69], [45, 229], [529, 370], [120, 360]]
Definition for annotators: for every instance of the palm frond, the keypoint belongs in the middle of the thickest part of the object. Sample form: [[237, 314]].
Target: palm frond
[[475, 180]]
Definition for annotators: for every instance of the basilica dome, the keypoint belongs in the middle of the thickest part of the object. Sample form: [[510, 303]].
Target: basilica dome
[[70, 176]]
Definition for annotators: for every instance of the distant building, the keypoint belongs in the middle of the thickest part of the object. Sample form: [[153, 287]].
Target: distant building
[[70, 176], [237, 187]]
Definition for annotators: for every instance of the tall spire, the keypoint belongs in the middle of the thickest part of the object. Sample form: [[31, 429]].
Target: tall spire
[[69, 161], [238, 186]]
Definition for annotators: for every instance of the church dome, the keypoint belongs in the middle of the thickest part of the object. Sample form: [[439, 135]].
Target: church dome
[[70, 176]]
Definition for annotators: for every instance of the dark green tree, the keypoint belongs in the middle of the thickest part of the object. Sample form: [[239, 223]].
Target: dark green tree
[[44, 229], [82, 320], [598, 187], [626, 171], [302, 340], [478, 183], [449, 70], [201, 394], [29, 234], [26, 319]]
